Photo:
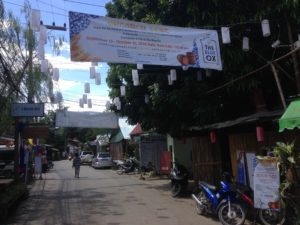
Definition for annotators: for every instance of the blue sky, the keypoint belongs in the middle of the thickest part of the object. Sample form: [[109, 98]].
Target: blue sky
[[72, 75]]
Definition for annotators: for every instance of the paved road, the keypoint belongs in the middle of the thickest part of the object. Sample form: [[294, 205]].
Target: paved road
[[105, 198]]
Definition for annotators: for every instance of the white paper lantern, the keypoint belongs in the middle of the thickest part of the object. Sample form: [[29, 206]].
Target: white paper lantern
[[41, 51], [92, 72], [97, 79], [135, 78], [44, 66], [107, 105], [94, 63], [81, 103], [35, 18], [87, 88], [185, 68], [170, 82], [55, 75], [265, 26], [199, 75], [89, 103], [118, 105], [208, 73], [139, 66], [225, 35], [58, 97], [245, 44], [146, 99], [122, 90], [116, 100], [173, 75], [84, 98], [43, 34]]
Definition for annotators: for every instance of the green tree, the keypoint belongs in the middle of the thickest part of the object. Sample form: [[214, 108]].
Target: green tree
[[21, 79], [190, 102]]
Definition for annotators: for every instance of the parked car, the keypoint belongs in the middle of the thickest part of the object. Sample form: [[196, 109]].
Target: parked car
[[102, 160], [86, 156]]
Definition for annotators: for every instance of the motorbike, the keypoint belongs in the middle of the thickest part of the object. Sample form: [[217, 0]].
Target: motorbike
[[127, 167], [179, 180], [274, 215], [221, 201]]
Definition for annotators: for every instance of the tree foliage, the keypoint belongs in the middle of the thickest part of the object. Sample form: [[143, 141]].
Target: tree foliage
[[189, 101], [21, 79]]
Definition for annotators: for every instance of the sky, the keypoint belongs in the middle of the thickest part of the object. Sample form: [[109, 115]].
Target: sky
[[73, 75]]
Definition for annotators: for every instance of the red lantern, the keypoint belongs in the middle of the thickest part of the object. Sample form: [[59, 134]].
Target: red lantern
[[213, 136], [260, 134]]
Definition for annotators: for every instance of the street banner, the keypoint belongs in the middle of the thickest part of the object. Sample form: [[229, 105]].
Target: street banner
[[87, 119], [97, 38], [266, 183], [27, 109]]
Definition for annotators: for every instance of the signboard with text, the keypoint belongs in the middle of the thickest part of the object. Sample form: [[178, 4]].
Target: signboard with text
[[96, 38], [27, 109]]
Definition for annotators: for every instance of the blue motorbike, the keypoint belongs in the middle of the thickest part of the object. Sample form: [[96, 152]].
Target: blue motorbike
[[221, 201]]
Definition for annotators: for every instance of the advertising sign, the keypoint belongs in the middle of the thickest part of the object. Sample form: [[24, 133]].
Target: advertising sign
[[86, 119], [27, 109], [266, 183], [96, 38]]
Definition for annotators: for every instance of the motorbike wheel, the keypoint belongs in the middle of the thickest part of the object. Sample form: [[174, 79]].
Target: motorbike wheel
[[235, 216], [272, 216], [176, 189], [202, 209]]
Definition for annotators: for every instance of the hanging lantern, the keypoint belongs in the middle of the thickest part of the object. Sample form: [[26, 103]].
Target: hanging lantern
[[41, 51], [260, 137], [35, 18], [55, 75], [84, 98], [199, 75], [94, 64], [139, 66], [146, 99], [107, 105], [185, 68], [81, 103], [208, 73], [213, 137], [89, 102], [173, 75], [58, 97], [245, 44], [97, 79], [44, 66], [265, 26], [170, 82], [135, 78], [92, 72], [87, 88], [43, 34], [225, 35], [122, 90]]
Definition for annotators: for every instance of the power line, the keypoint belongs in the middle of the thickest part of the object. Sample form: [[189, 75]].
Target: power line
[[83, 3]]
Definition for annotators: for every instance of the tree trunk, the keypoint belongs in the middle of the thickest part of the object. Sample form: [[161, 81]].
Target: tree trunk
[[294, 55]]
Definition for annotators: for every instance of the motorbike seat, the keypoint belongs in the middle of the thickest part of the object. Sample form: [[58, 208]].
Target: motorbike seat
[[209, 186]]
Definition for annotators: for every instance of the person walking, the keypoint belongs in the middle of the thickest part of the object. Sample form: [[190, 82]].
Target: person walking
[[76, 165]]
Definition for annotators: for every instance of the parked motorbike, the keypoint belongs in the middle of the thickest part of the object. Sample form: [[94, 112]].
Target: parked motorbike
[[221, 201], [179, 180], [127, 167], [274, 215]]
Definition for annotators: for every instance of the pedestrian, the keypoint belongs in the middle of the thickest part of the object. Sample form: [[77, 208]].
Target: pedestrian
[[76, 164], [38, 164]]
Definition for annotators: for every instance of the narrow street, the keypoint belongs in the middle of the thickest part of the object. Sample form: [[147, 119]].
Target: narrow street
[[103, 197]]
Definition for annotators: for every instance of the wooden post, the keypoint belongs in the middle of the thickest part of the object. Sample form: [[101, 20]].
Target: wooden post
[[17, 149], [278, 85]]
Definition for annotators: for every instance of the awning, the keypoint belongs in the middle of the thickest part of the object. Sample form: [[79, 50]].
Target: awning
[[291, 117]]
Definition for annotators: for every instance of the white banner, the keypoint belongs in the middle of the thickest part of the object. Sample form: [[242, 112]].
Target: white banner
[[266, 184], [86, 119], [96, 38]]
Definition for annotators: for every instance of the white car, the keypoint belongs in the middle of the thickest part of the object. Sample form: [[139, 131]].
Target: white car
[[102, 160], [86, 156]]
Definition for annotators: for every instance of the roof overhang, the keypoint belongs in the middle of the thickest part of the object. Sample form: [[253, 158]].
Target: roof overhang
[[291, 117]]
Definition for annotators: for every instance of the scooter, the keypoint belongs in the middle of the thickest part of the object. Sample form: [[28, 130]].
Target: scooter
[[221, 202], [127, 167], [179, 180]]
